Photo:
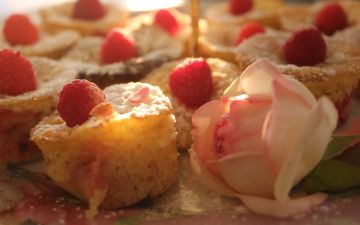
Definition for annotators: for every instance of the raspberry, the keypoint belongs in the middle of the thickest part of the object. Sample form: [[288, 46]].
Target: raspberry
[[237, 7], [330, 18], [16, 73], [305, 47], [192, 82], [117, 47], [248, 30], [19, 30], [89, 10], [76, 101], [167, 21]]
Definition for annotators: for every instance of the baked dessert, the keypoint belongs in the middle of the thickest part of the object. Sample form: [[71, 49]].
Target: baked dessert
[[29, 89], [111, 148], [173, 22], [103, 60], [329, 16], [189, 83], [221, 42], [88, 17], [327, 66], [237, 12], [21, 34]]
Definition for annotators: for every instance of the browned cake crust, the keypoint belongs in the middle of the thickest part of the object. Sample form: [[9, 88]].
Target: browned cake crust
[[337, 77], [223, 73]]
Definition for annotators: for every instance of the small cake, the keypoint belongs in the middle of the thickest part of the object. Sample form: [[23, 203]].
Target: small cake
[[105, 60], [327, 66], [21, 34], [29, 90], [110, 148], [189, 83], [88, 17], [328, 16], [221, 42], [238, 12]]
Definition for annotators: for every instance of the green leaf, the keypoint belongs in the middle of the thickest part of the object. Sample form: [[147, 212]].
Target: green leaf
[[332, 175], [338, 145], [128, 221]]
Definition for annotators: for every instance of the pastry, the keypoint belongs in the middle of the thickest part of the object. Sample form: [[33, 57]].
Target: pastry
[[29, 91], [121, 151], [21, 34], [88, 17], [97, 59], [237, 12], [328, 16], [198, 81], [221, 42], [333, 71]]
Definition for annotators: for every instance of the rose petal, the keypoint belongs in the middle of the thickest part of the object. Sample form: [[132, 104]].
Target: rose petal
[[310, 149], [209, 179], [248, 173], [282, 209], [284, 123], [204, 120]]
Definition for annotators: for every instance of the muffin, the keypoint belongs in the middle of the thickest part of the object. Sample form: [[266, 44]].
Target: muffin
[[21, 111], [221, 75], [122, 154]]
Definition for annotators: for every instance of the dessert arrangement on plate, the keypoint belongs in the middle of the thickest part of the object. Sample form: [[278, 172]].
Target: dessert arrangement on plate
[[246, 116]]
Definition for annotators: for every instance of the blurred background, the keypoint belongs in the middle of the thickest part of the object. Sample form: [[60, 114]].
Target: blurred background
[[11, 6]]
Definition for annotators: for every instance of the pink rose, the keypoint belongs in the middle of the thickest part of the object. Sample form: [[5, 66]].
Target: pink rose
[[261, 139]]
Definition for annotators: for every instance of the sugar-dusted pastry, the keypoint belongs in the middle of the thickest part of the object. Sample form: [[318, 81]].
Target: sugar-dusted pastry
[[189, 83], [221, 42], [171, 21], [124, 55], [237, 12], [21, 34], [328, 16], [110, 148], [29, 90], [88, 17], [325, 65]]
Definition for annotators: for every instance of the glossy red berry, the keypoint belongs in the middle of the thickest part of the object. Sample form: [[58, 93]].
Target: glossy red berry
[[76, 101], [88, 10], [19, 30], [238, 7], [16, 73], [191, 82], [167, 21], [305, 47]]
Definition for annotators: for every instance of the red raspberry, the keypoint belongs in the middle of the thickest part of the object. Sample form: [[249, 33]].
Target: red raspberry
[[167, 21], [117, 47], [19, 30], [248, 30], [16, 73], [89, 10], [330, 18], [305, 47], [76, 101], [237, 7], [191, 82]]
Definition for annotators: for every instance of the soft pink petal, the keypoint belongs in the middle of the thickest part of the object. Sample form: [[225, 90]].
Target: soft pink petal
[[284, 209], [310, 148], [204, 121], [210, 180], [284, 123], [248, 173]]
